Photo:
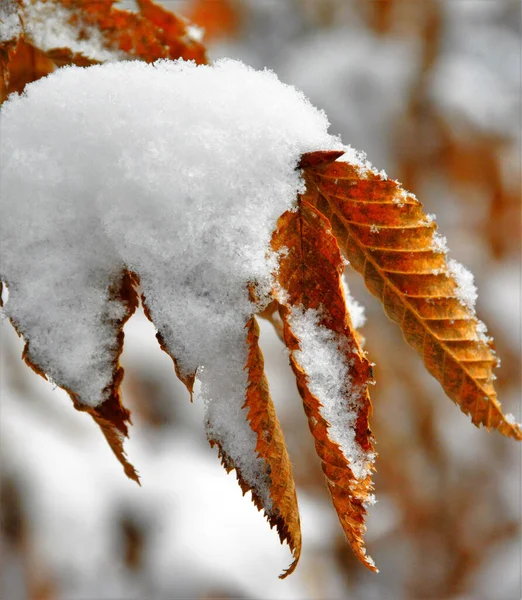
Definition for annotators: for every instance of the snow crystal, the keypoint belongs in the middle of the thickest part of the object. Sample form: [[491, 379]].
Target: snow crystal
[[481, 335], [511, 419], [358, 159], [329, 381], [401, 196], [48, 25], [466, 290], [439, 243], [355, 308], [176, 171], [371, 500], [195, 33]]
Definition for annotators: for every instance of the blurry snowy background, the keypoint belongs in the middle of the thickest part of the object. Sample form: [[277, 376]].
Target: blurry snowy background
[[431, 91]]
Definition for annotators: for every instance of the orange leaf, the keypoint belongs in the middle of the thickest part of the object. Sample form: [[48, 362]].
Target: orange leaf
[[309, 278], [271, 447], [219, 18], [149, 35], [388, 238], [21, 63], [281, 506]]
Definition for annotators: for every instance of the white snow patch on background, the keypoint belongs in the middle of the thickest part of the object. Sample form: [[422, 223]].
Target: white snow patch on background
[[466, 290]]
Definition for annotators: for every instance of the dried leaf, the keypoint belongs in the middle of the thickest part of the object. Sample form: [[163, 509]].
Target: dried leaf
[[21, 63], [149, 35], [284, 513], [388, 238], [309, 278], [281, 507]]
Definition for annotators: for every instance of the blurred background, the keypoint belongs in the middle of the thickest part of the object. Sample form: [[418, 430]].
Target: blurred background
[[431, 91]]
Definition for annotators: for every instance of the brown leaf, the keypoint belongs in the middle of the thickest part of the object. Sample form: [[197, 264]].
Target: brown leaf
[[309, 276], [388, 238], [148, 35], [175, 33], [271, 447], [219, 18]]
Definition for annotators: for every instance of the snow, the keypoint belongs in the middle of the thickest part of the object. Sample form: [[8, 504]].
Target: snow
[[371, 73], [355, 308], [223, 388], [48, 26], [329, 380], [358, 159], [10, 26], [175, 171], [201, 533], [466, 290], [510, 418]]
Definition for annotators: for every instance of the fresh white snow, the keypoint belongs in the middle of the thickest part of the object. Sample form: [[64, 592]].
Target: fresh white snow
[[48, 26]]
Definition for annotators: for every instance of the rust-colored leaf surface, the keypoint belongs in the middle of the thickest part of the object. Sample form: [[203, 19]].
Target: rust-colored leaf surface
[[284, 514], [387, 237], [309, 277]]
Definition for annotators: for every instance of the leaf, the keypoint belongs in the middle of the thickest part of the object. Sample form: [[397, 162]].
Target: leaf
[[71, 286], [387, 237], [151, 34], [96, 29], [332, 373], [283, 514], [176, 34], [219, 18]]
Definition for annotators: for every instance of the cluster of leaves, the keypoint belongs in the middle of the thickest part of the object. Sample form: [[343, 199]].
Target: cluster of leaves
[[150, 34], [348, 210]]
